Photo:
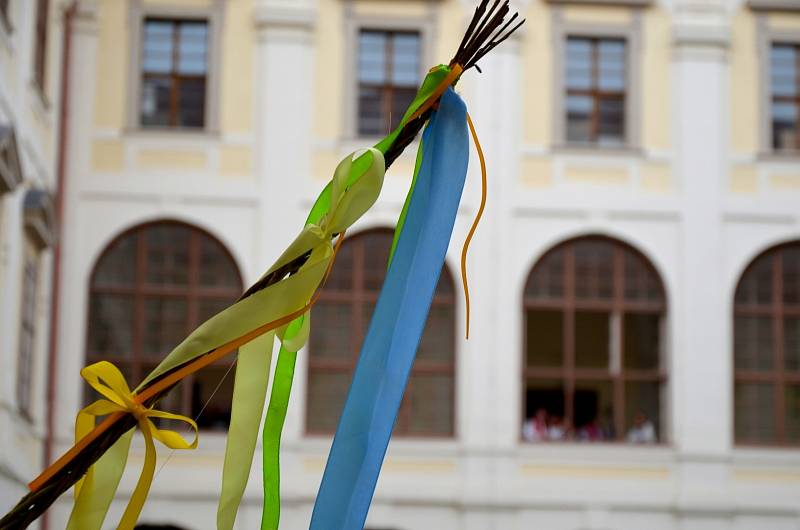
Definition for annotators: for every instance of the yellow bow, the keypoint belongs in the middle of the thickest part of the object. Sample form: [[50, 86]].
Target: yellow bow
[[109, 381]]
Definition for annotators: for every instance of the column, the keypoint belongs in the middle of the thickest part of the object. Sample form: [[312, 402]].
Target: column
[[703, 367]]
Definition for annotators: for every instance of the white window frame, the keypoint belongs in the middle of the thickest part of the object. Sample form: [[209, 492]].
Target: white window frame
[[631, 33], [353, 25], [214, 15]]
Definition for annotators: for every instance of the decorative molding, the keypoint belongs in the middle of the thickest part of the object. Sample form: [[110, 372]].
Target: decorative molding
[[39, 217], [774, 5], [284, 17], [10, 167]]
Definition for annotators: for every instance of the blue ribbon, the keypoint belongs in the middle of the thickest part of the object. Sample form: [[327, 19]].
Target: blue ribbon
[[394, 333]]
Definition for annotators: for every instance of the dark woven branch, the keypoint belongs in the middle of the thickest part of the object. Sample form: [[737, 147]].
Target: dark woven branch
[[487, 29]]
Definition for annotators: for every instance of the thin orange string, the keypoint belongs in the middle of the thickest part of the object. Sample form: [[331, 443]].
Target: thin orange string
[[176, 376], [477, 216]]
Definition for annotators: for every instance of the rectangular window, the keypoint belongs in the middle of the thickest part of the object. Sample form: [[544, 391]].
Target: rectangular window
[[785, 96], [40, 47], [595, 74], [388, 76], [27, 332], [174, 73]]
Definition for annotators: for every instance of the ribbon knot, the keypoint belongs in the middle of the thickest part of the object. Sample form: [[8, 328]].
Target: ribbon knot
[[109, 381]]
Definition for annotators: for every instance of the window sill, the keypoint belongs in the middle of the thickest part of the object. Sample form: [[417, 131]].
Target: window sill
[[596, 150], [792, 156], [598, 451], [172, 133]]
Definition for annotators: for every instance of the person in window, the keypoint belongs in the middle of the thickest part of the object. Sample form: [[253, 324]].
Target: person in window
[[643, 431], [535, 428], [591, 432], [557, 429]]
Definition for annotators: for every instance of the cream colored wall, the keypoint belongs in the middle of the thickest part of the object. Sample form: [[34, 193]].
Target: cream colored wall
[[231, 155], [752, 169], [654, 91], [331, 66]]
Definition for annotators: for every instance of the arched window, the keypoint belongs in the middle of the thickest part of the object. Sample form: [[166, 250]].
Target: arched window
[[149, 289], [594, 313], [339, 322], [766, 349]]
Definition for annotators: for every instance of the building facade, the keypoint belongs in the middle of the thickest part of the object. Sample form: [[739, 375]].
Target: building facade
[[634, 351], [31, 40]]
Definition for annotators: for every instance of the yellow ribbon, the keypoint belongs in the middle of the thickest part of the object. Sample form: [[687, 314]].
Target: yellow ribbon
[[109, 381]]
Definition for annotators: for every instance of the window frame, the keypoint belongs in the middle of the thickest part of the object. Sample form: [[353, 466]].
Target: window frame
[[767, 37], [778, 377], [354, 23], [137, 362], [356, 298], [213, 15], [563, 29], [567, 374]]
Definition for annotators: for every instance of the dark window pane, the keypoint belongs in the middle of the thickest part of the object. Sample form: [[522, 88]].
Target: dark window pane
[[592, 339], [547, 280], [791, 274], [155, 104], [110, 325], [212, 392], [785, 117], [326, 394], [792, 398], [208, 307], [641, 341], [376, 258], [370, 110], [641, 281], [117, 266], [333, 331], [217, 269], [642, 412], [791, 343], [611, 120], [594, 411], [593, 269], [579, 115], [430, 397], [165, 325], [437, 343], [544, 338], [168, 255], [754, 412], [755, 287], [341, 278], [192, 100], [752, 343]]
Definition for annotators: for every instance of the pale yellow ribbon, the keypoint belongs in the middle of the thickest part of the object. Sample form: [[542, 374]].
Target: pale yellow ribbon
[[109, 381]]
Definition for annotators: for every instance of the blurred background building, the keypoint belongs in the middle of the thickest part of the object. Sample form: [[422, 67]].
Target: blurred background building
[[634, 359]]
